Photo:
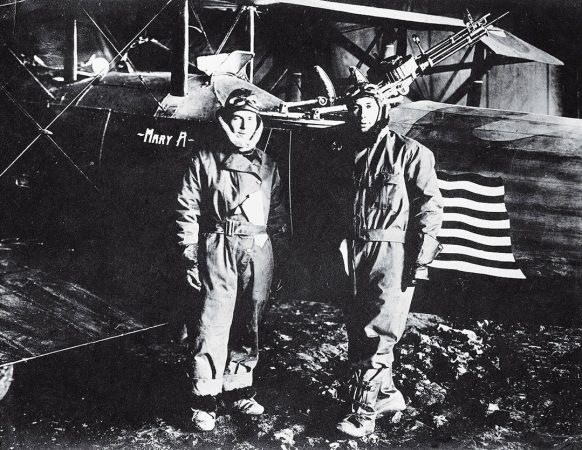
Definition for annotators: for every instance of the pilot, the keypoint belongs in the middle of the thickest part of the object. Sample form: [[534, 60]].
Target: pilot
[[395, 213], [229, 205]]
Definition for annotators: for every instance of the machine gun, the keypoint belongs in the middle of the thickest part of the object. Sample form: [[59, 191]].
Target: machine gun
[[396, 73], [400, 72]]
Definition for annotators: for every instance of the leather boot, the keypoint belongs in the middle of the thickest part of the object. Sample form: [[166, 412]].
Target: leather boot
[[243, 401], [204, 412], [203, 420], [364, 386], [389, 398]]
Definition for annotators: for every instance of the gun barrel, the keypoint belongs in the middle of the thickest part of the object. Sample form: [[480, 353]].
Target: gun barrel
[[445, 42], [468, 41], [462, 39], [402, 71], [471, 28]]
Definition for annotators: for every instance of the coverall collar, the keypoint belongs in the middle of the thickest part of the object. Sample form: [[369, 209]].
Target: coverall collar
[[238, 162]]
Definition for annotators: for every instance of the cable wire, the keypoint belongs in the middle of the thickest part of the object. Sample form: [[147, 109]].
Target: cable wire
[[140, 77], [46, 133], [241, 9], [86, 88], [12, 3], [197, 17]]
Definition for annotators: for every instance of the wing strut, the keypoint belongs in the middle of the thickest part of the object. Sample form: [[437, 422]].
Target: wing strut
[[378, 35], [197, 17], [479, 69], [252, 13], [126, 57], [180, 55], [239, 12], [71, 57], [45, 131]]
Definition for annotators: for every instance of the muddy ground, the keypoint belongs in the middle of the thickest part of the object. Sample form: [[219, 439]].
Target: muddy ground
[[469, 384]]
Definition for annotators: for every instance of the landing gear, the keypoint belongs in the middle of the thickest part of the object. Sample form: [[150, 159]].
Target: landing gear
[[6, 377]]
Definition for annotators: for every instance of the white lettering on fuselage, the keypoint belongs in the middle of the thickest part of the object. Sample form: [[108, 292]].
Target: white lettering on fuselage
[[151, 137], [182, 138]]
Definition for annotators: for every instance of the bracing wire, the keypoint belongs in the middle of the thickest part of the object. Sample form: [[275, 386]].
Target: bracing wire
[[241, 9], [86, 88], [12, 3], [90, 343], [36, 80], [47, 135], [197, 17], [140, 77]]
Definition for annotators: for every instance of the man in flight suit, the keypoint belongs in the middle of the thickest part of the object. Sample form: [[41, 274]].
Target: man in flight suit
[[396, 212], [230, 197]]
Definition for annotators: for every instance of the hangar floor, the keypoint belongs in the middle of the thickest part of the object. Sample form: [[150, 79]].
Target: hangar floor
[[469, 384]]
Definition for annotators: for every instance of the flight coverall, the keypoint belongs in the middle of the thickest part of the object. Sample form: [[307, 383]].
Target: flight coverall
[[396, 211], [228, 201]]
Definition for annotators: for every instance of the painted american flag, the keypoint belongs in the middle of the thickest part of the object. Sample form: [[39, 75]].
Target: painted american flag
[[476, 233]]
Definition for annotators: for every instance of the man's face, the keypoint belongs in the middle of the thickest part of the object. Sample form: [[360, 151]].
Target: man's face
[[365, 112], [244, 124]]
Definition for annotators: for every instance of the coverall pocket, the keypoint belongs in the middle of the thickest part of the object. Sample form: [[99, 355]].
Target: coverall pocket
[[387, 190]]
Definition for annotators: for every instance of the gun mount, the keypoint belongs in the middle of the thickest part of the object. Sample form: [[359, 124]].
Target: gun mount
[[399, 72], [395, 74]]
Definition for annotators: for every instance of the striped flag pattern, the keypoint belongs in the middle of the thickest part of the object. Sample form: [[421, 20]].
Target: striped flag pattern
[[475, 233]]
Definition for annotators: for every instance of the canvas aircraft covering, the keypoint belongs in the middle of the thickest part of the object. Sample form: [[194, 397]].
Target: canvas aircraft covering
[[498, 41], [41, 314]]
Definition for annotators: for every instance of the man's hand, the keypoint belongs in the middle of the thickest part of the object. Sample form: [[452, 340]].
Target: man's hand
[[428, 248], [191, 253], [418, 275], [193, 276]]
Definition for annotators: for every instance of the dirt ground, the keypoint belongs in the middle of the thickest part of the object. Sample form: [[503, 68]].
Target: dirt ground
[[469, 384]]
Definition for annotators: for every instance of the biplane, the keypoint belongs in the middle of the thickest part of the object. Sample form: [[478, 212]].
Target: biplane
[[93, 149]]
